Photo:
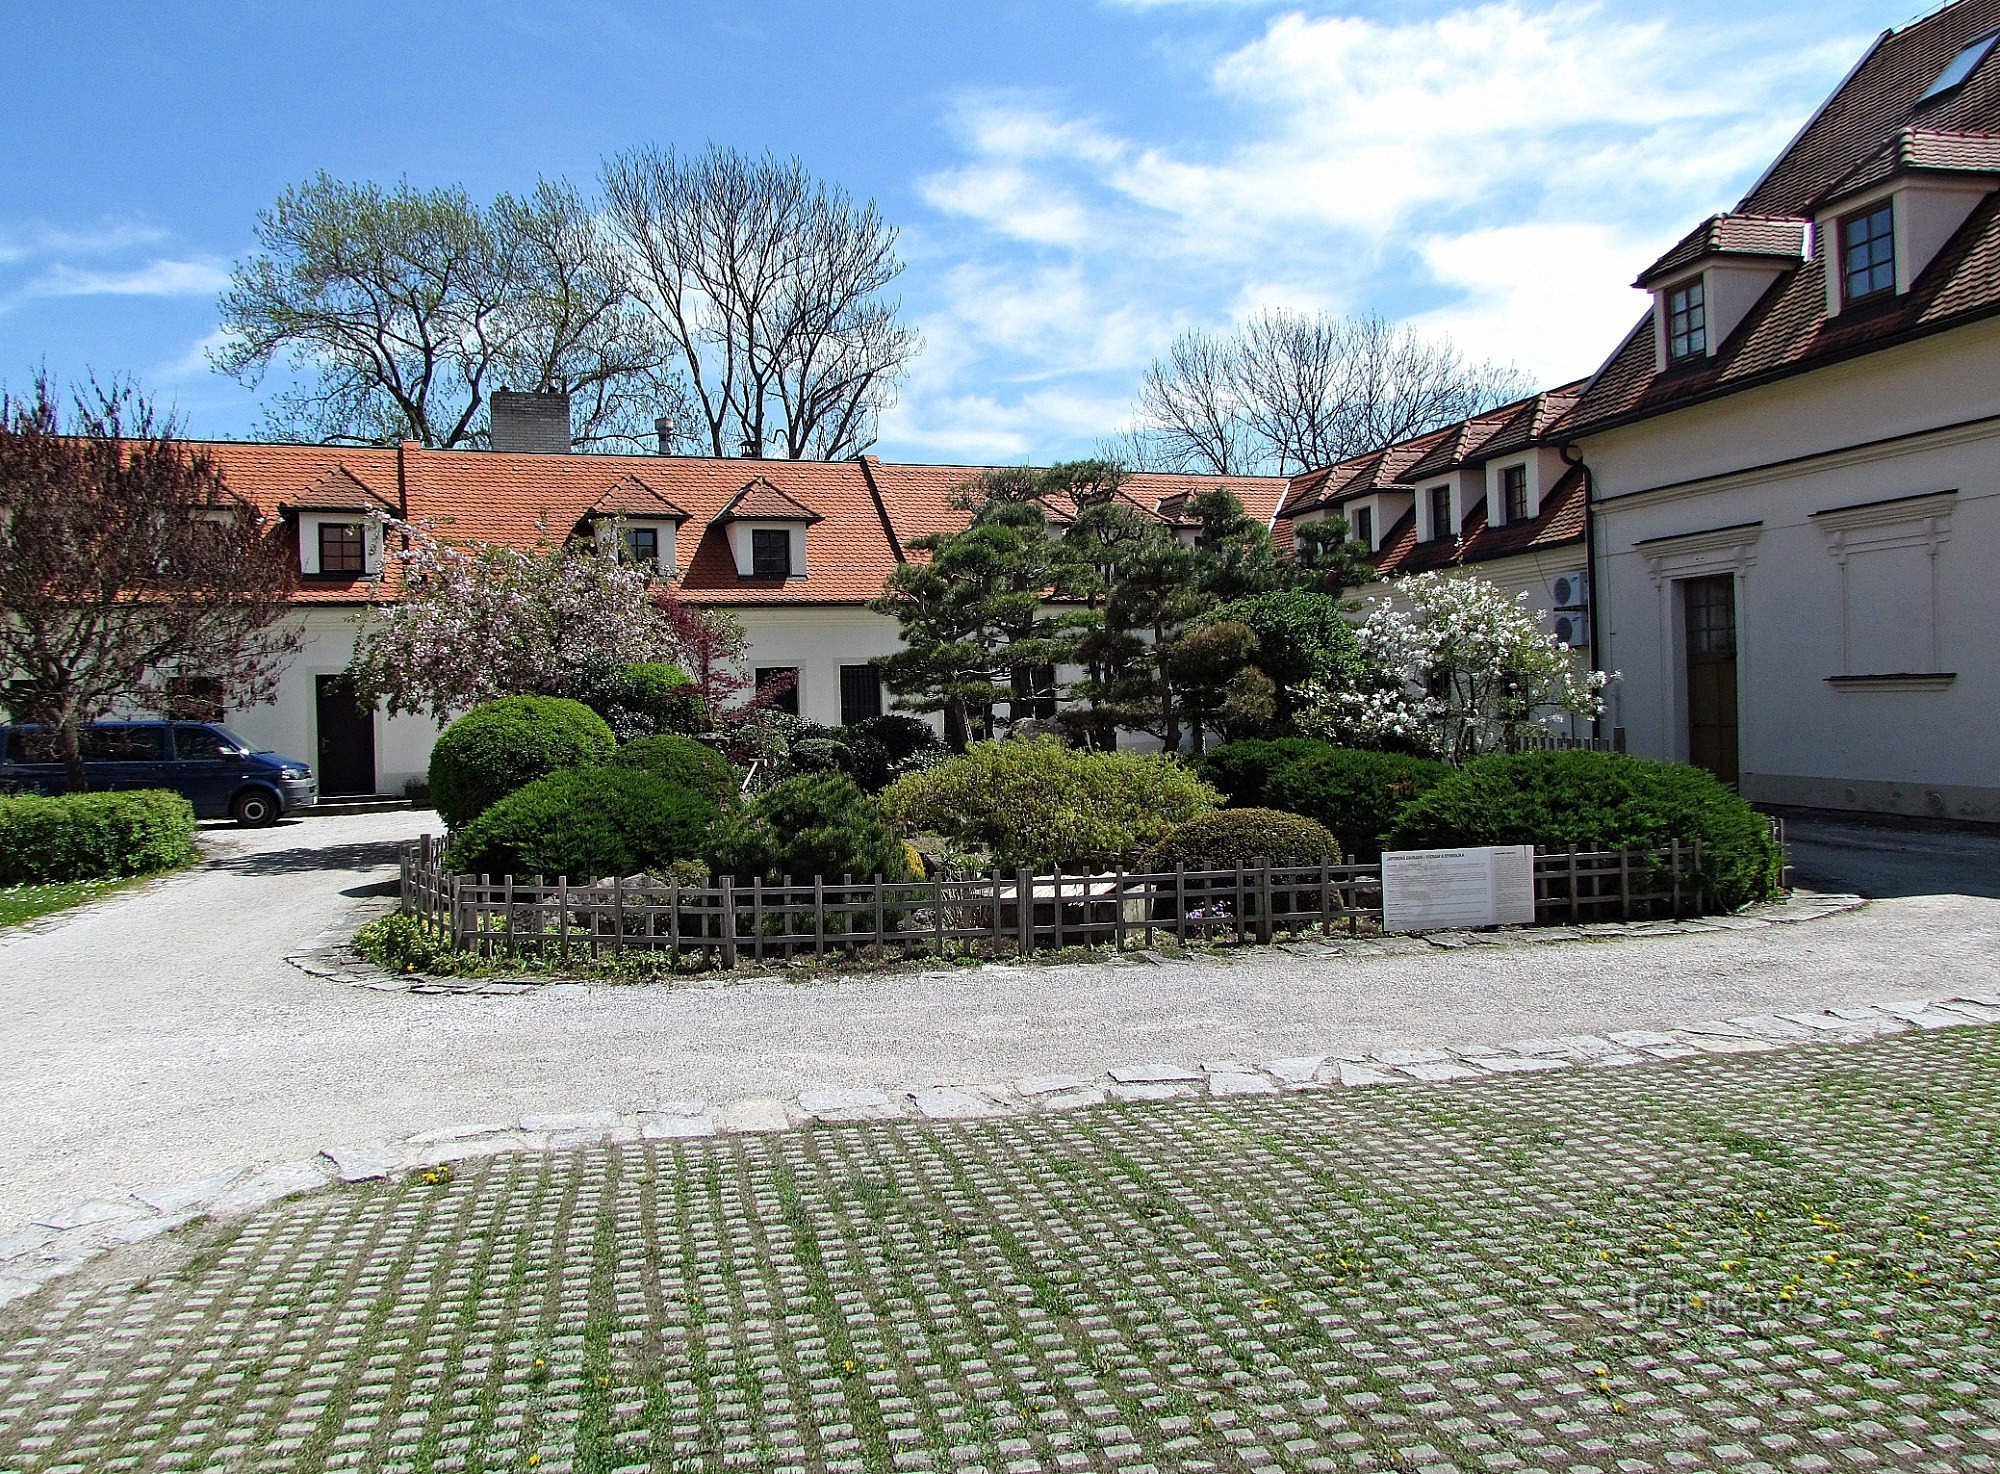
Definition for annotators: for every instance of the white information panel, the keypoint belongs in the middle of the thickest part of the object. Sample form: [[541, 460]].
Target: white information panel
[[1437, 890]]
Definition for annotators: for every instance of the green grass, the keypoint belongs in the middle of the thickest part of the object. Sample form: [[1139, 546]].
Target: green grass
[[19, 903]]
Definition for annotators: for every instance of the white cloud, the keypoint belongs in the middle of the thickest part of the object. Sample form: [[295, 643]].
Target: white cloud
[[193, 362], [25, 242], [198, 277]]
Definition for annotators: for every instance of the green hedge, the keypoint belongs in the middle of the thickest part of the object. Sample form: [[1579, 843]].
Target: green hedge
[[1600, 800], [504, 745], [1243, 769], [818, 824], [1245, 837], [1355, 793], [586, 824], [645, 699], [93, 836], [1038, 803], [684, 762]]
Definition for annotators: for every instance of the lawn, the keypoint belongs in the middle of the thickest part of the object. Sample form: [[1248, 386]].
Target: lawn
[[1781, 1261], [19, 903]]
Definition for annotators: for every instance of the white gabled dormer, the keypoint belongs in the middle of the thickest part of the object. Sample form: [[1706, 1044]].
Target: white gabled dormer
[[1882, 225], [1440, 509], [1515, 485], [1706, 285], [634, 521], [766, 531], [340, 527]]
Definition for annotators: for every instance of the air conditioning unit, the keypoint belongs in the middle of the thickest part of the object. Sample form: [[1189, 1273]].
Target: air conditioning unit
[[1572, 629], [1571, 591]]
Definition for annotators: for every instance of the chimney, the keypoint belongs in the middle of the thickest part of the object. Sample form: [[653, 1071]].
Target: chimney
[[528, 422], [665, 428], [751, 449]]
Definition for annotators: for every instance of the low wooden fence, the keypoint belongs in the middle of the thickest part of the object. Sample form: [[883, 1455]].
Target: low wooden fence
[[998, 914]]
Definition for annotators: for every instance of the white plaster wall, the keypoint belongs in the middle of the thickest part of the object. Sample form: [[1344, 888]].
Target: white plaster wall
[[1801, 739], [818, 640]]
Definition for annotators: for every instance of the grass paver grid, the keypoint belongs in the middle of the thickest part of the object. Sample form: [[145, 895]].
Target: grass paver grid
[[1776, 1262]]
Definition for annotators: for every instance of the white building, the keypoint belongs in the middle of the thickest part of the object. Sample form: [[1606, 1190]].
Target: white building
[[1795, 458]]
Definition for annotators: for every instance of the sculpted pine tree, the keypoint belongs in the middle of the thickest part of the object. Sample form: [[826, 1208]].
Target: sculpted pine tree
[[127, 566]]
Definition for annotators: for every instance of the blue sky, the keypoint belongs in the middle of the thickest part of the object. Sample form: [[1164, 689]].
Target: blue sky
[[1076, 179]]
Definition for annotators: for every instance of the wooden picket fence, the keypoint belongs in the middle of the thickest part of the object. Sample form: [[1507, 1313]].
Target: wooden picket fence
[[724, 923]]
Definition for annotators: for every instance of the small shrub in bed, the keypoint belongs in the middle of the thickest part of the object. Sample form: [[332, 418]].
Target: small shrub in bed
[[93, 836], [683, 762], [586, 824], [504, 745], [1230, 838], [1243, 769], [815, 824], [1600, 800], [1357, 794]]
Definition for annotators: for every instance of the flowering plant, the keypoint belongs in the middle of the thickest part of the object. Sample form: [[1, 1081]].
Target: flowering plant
[[1458, 669]]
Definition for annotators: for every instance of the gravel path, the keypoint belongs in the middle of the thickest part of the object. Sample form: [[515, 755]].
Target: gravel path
[[160, 1035]]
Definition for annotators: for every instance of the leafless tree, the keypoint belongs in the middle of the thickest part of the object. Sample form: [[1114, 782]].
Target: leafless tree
[[1289, 391], [402, 308], [768, 283], [126, 563]]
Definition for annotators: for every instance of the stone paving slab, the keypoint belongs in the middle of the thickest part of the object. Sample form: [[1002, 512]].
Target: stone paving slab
[[1771, 1262]]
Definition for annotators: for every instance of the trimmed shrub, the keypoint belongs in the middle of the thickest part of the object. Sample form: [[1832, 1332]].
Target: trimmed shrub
[[1242, 770], [1355, 793], [93, 836], [644, 699], [1600, 800], [1247, 837], [503, 745], [586, 824], [815, 824], [1038, 803], [683, 762], [881, 749]]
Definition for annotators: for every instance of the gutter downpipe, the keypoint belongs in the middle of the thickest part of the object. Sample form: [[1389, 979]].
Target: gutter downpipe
[[1573, 457]]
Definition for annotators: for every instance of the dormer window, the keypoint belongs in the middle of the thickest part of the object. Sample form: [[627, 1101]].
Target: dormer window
[[770, 552], [1960, 67], [1364, 527], [1514, 492], [342, 549], [1868, 254], [1440, 498], [642, 545], [1687, 325]]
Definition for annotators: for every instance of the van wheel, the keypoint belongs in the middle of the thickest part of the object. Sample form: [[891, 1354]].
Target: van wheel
[[254, 809]]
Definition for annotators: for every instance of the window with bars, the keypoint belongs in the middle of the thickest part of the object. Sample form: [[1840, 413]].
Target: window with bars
[[1687, 322], [1514, 492], [860, 694], [770, 552], [342, 549], [1868, 254]]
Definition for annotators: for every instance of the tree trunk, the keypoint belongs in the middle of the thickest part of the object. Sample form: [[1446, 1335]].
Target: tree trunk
[[74, 772], [955, 733]]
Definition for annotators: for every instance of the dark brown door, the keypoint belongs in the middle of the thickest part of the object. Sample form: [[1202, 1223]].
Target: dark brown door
[[346, 760], [1710, 605]]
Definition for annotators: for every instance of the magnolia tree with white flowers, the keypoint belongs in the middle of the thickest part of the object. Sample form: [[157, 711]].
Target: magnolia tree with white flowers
[[481, 620], [1460, 669]]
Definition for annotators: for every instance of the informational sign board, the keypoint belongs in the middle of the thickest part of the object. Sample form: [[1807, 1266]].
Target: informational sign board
[[1437, 890]]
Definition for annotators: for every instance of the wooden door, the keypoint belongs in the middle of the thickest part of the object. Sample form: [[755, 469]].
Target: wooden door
[[346, 758], [1710, 610]]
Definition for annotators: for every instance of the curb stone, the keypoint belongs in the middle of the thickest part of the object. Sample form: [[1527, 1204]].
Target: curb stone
[[331, 956]]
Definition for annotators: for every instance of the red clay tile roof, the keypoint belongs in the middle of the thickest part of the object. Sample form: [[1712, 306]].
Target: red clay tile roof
[[1868, 116], [1560, 521], [1779, 236], [760, 501], [1919, 151], [633, 496], [337, 489]]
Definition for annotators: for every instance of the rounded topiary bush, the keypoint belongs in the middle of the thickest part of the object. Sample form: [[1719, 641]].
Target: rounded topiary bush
[[817, 824], [684, 762], [1600, 800], [93, 836], [1246, 837], [503, 745], [1038, 803], [1243, 769], [1355, 793], [586, 823]]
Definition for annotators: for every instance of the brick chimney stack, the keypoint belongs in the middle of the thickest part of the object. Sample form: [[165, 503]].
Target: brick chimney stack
[[528, 422]]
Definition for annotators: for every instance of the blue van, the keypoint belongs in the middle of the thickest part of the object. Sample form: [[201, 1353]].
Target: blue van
[[210, 766]]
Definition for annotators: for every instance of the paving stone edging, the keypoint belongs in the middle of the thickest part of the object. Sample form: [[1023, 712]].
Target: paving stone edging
[[60, 1242], [331, 955]]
